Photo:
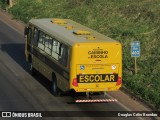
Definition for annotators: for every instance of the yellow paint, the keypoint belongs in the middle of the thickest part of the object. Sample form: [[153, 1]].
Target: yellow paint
[[70, 27], [82, 32], [58, 21], [96, 59], [112, 78], [91, 38]]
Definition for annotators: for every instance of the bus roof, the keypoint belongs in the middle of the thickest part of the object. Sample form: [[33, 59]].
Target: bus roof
[[67, 32]]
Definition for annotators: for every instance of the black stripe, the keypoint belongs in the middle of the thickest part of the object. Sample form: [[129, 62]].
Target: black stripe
[[29, 47], [51, 64], [91, 78]]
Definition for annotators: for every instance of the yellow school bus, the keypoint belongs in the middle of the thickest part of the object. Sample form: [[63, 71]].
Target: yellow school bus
[[72, 56]]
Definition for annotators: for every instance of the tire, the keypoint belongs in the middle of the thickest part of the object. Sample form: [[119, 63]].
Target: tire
[[32, 70], [54, 86]]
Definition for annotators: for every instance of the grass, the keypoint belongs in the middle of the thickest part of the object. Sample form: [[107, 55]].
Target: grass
[[3, 4], [123, 20]]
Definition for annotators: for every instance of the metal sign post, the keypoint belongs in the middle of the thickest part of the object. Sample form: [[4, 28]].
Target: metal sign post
[[135, 52]]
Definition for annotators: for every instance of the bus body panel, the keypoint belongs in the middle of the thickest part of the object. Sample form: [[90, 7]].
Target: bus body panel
[[96, 67], [94, 61], [47, 69]]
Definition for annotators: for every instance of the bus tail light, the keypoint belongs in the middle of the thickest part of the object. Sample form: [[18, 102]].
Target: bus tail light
[[119, 81], [74, 82]]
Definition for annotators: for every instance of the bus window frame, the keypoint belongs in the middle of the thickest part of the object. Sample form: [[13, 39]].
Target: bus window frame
[[35, 36], [62, 56], [49, 41], [41, 43], [29, 35]]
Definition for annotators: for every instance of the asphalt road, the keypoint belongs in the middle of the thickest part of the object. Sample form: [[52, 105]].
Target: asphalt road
[[19, 91]]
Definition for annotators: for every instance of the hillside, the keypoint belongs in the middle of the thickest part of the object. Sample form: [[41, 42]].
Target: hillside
[[122, 20]]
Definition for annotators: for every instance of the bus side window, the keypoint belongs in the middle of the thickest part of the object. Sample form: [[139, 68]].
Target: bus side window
[[48, 44], [63, 56], [55, 49], [35, 39], [41, 40]]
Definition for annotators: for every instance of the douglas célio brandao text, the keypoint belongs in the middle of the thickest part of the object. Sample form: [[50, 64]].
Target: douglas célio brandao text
[[137, 114]]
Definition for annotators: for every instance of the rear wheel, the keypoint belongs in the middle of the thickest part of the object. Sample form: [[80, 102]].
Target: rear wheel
[[54, 86]]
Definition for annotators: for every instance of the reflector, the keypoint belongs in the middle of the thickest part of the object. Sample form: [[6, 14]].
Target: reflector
[[96, 100]]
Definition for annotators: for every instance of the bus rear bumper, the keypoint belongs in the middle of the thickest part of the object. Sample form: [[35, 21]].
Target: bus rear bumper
[[97, 89]]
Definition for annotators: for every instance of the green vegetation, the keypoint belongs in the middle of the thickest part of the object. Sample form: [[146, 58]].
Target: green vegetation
[[3, 4], [123, 20]]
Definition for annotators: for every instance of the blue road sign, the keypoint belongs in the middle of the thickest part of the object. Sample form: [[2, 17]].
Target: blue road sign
[[135, 49]]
